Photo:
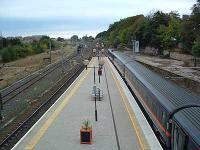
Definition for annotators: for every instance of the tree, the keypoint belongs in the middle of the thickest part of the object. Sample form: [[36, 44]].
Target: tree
[[101, 35], [116, 42], [60, 39], [36, 47], [195, 17], [187, 35], [9, 54], [196, 48], [174, 15], [170, 35], [122, 31], [74, 39], [190, 28], [152, 26]]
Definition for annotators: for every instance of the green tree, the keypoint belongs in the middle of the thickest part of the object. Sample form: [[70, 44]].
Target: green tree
[[36, 47], [170, 35], [187, 35], [44, 42], [101, 35], [74, 39], [9, 54], [196, 48], [195, 17]]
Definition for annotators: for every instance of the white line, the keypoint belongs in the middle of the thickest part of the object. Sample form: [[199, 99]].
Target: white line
[[46, 113]]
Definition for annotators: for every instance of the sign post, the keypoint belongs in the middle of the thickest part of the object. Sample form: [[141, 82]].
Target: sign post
[[136, 46]]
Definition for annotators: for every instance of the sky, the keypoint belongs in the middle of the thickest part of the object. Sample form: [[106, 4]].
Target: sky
[[65, 18]]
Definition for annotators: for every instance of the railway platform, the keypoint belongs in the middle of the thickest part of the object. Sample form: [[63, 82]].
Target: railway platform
[[120, 123]]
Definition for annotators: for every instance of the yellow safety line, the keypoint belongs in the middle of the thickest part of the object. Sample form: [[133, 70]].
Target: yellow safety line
[[55, 114], [134, 122]]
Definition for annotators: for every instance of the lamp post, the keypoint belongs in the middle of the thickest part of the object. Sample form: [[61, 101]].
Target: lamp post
[[101, 63]]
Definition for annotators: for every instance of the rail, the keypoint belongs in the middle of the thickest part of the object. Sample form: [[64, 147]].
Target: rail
[[9, 139]]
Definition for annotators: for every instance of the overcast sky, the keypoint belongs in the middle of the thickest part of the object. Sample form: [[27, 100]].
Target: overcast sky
[[76, 16]]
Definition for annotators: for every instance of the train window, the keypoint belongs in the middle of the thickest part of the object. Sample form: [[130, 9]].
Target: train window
[[163, 116], [178, 138], [158, 110]]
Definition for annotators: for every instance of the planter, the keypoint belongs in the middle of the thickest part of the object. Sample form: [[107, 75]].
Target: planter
[[86, 136]]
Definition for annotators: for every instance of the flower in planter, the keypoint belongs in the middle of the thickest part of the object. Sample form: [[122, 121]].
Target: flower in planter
[[86, 133]]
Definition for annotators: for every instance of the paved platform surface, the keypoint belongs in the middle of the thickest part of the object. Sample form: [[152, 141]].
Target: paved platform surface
[[171, 65], [117, 126]]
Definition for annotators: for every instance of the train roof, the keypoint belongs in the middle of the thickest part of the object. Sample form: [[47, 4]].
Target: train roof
[[189, 120], [160, 87]]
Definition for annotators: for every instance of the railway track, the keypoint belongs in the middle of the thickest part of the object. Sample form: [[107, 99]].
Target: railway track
[[14, 90], [23, 127], [14, 131]]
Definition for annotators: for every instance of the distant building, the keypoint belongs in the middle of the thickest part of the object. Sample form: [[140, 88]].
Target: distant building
[[11, 38], [60, 39], [32, 38], [19, 37], [185, 17]]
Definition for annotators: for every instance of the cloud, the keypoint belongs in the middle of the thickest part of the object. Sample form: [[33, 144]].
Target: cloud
[[23, 17], [88, 8]]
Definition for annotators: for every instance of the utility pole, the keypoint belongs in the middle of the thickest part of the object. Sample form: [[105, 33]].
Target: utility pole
[[1, 40], [50, 49], [1, 107], [62, 61]]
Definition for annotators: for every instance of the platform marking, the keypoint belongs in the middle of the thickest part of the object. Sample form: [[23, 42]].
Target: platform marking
[[131, 115], [55, 114], [113, 117]]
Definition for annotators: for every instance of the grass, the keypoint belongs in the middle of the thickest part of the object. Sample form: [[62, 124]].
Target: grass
[[16, 70]]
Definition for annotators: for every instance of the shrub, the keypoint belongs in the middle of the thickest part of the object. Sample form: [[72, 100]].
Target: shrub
[[9, 54], [196, 48]]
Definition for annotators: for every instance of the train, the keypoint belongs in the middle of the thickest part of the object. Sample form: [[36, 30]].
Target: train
[[173, 112]]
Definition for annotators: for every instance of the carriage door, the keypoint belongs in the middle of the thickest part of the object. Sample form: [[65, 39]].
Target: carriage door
[[178, 138]]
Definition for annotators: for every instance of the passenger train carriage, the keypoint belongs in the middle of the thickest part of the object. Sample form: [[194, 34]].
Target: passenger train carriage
[[173, 112]]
